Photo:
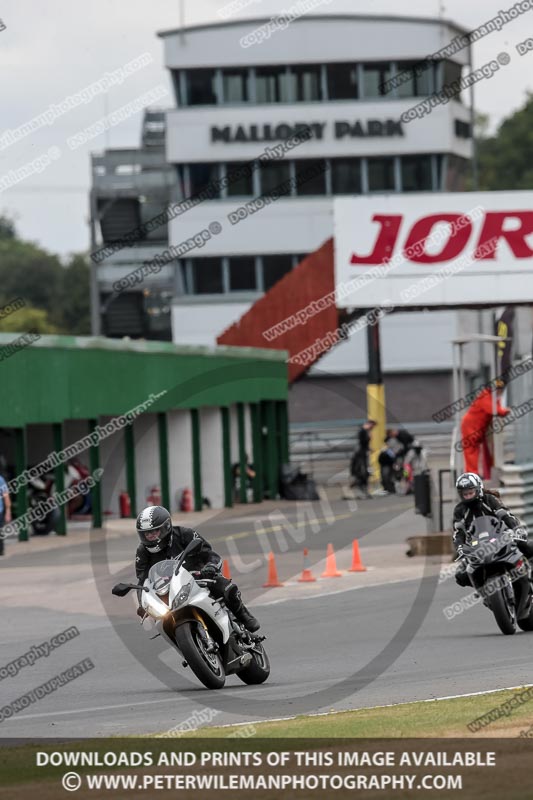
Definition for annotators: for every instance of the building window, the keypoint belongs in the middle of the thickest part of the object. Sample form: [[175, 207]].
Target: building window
[[310, 176], [457, 174], [181, 286], [274, 268], [240, 177], [175, 73], [272, 85], [342, 81], [346, 175], [242, 274], [297, 259], [207, 276], [307, 83], [414, 78], [201, 87], [450, 72], [381, 175], [374, 78], [273, 175], [463, 130], [236, 85], [201, 176], [416, 174]]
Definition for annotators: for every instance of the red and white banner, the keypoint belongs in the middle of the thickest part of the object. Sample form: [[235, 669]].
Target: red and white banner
[[454, 249]]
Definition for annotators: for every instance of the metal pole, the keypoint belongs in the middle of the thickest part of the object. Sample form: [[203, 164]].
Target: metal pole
[[226, 457], [96, 491], [196, 459], [59, 472], [257, 451], [21, 464], [163, 458], [242, 453], [375, 393], [272, 450], [475, 170], [283, 424], [129, 452], [93, 272]]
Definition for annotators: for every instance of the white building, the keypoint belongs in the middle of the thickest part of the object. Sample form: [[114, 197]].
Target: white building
[[329, 74]]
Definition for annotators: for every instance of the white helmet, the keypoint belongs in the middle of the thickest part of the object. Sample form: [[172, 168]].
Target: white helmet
[[469, 482]]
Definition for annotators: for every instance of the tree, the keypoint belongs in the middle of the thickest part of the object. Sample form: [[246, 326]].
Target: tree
[[28, 319], [7, 228], [60, 292], [505, 160], [76, 311]]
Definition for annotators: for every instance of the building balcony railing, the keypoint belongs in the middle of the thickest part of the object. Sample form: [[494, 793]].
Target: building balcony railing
[[131, 170]]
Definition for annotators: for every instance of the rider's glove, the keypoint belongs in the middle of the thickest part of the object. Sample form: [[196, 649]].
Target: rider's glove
[[209, 572]]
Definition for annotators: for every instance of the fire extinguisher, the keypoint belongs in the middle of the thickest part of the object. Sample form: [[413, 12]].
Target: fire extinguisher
[[154, 498], [125, 505], [186, 500]]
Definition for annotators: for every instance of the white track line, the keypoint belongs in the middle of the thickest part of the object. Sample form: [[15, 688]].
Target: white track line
[[274, 719], [344, 589], [85, 710], [371, 708]]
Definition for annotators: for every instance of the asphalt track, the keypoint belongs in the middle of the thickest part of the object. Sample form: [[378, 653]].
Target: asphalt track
[[352, 645]]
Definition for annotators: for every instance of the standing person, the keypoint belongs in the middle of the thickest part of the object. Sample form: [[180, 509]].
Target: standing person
[[416, 460], [5, 509], [359, 466], [475, 425], [249, 476], [386, 459], [415, 463]]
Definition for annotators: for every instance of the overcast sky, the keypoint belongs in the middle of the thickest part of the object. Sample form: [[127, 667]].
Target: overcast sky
[[52, 49]]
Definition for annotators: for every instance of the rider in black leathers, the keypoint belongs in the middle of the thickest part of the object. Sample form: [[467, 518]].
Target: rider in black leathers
[[161, 540], [476, 501]]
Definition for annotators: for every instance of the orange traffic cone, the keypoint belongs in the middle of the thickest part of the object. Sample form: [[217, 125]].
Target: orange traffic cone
[[307, 575], [225, 569], [331, 570], [357, 564], [272, 580]]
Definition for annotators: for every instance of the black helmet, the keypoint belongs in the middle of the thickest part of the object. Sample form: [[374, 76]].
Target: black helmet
[[468, 482], [154, 526]]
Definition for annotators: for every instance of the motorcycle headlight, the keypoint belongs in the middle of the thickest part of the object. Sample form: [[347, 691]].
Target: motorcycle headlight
[[182, 596]]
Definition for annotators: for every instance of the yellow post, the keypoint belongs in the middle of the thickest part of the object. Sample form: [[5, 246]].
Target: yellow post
[[375, 401], [375, 398]]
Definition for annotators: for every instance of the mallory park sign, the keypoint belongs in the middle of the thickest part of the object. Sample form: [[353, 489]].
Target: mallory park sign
[[320, 130]]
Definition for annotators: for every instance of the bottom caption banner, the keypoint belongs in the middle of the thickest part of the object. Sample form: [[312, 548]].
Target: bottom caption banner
[[267, 768]]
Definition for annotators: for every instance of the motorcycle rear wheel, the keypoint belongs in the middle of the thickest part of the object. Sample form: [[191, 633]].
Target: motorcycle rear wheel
[[259, 668], [526, 624], [207, 667]]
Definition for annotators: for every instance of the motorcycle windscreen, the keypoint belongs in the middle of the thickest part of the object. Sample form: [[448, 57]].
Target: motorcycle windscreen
[[160, 576], [486, 527]]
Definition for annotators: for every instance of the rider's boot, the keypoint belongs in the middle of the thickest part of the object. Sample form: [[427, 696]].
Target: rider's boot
[[243, 615]]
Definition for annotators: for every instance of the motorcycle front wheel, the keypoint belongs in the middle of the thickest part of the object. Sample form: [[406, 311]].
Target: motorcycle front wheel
[[504, 614], [206, 666]]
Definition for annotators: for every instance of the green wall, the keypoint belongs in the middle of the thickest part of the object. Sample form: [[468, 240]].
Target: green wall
[[62, 377]]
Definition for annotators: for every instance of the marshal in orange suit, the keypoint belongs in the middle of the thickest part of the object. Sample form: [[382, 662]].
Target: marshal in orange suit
[[475, 424]]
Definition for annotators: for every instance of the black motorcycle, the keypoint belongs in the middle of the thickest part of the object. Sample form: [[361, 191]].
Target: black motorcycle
[[501, 574], [39, 491]]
